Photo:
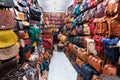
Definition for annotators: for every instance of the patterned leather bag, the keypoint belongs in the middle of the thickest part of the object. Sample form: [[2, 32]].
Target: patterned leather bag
[[95, 62]]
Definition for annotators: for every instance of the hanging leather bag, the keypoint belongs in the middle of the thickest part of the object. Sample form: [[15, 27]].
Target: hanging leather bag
[[95, 62], [109, 70], [7, 20]]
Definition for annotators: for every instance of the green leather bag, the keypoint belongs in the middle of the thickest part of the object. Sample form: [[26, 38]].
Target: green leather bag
[[6, 3], [34, 33]]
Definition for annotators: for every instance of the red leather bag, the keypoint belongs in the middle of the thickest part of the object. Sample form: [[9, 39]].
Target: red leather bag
[[92, 26], [109, 70], [92, 3], [99, 46], [95, 62], [47, 42]]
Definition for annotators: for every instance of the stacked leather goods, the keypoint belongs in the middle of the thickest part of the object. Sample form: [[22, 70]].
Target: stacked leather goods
[[98, 19]]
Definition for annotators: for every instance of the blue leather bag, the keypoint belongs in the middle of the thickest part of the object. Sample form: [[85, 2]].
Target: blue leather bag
[[84, 5], [86, 71], [111, 52], [76, 10]]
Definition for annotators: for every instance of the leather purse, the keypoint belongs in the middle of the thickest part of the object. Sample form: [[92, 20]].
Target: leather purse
[[112, 8], [91, 46], [7, 20], [96, 63], [75, 50], [100, 9], [99, 45], [84, 5], [86, 71], [101, 27], [82, 54], [86, 29], [21, 34], [79, 30], [86, 16], [35, 14], [79, 62], [6, 66], [92, 26], [70, 46], [92, 12], [109, 70], [113, 52], [6, 3], [114, 28], [92, 3], [47, 42], [62, 38], [73, 32], [76, 10]]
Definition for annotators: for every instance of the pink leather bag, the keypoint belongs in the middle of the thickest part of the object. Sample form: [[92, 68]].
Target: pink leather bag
[[92, 26]]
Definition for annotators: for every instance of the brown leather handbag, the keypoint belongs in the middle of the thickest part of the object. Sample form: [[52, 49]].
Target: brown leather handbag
[[82, 54], [109, 70], [112, 8], [75, 50], [79, 62], [95, 62], [101, 26], [7, 20], [62, 38], [114, 28], [70, 46]]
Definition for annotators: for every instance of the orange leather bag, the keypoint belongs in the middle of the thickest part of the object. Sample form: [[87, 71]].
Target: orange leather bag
[[101, 26], [79, 62], [112, 8], [95, 62], [114, 28], [109, 70], [82, 54]]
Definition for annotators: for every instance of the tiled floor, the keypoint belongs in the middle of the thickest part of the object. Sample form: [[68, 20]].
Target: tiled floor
[[60, 68]]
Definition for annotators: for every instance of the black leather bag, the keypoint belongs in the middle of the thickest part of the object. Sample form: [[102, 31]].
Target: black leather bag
[[35, 14], [6, 66], [86, 71], [6, 3]]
